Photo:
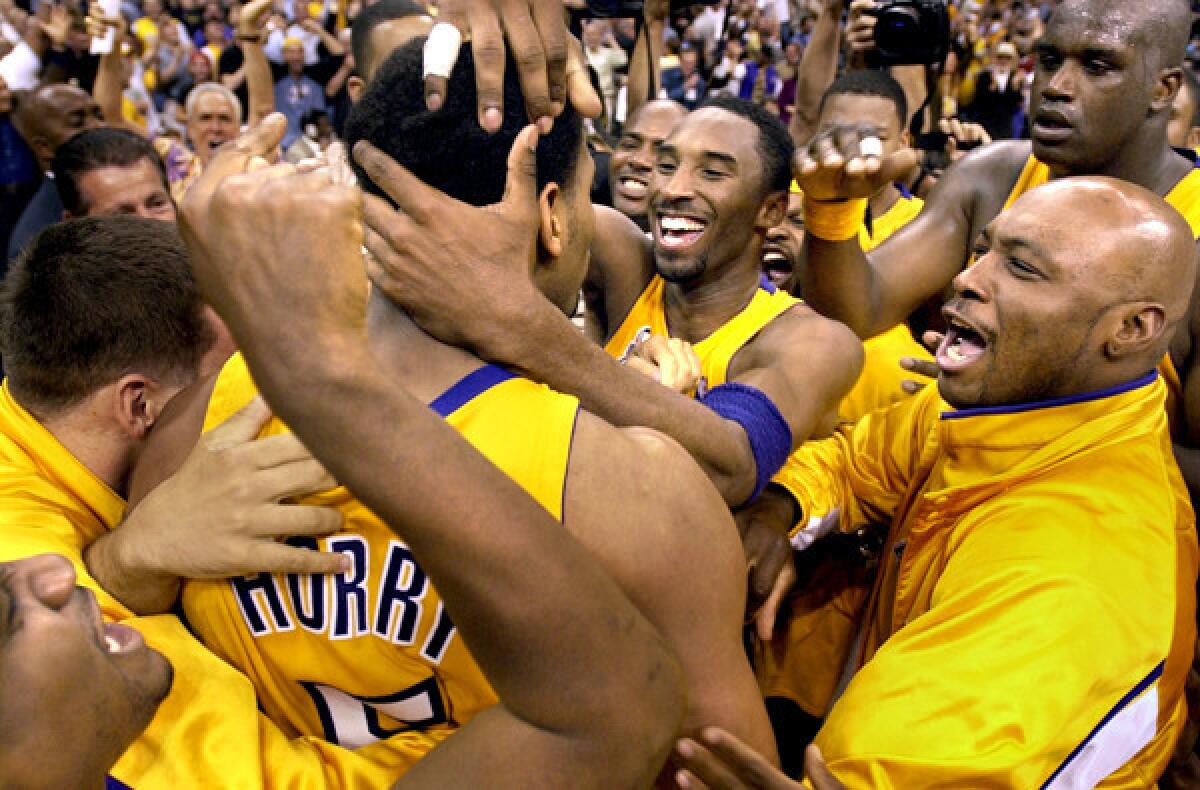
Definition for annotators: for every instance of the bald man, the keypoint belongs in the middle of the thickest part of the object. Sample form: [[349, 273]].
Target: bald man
[[47, 118], [1106, 75], [1032, 620]]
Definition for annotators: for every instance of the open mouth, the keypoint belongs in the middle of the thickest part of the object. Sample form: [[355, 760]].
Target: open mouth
[[962, 346], [776, 265], [113, 638], [678, 232]]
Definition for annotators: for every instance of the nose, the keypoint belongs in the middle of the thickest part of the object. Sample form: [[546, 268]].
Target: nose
[[51, 578], [1060, 84], [675, 186], [973, 281]]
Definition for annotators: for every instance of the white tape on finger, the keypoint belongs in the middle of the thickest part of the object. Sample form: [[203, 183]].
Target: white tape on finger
[[870, 146], [441, 50]]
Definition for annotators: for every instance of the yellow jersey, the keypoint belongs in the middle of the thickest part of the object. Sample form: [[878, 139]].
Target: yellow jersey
[[1185, 198], [878, 385], [371, 656], [208, 732], [648, 316], [1031, 624]]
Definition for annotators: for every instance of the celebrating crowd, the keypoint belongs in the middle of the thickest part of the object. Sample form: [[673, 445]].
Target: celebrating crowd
[[594, 393]]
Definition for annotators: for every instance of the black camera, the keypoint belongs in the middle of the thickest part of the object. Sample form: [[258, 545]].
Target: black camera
[[911, 31], [612, 9]]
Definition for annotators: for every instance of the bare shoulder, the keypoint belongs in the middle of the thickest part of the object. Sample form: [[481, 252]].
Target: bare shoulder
[[622, 262], [981, 181], [800, 338]]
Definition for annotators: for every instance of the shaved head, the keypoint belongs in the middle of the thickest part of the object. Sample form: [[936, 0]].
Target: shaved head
[[1158, 26]]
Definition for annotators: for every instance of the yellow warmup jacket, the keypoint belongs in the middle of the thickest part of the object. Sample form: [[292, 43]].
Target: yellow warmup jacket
[[208, 732], [1032, 621]]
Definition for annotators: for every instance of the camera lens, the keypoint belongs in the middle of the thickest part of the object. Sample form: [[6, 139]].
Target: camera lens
[[896, 27]]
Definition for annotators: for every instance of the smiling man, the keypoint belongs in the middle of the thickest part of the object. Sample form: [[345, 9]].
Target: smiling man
[[1031, 624], [632, 162]]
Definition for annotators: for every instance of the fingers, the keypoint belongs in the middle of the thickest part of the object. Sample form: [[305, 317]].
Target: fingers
[[922, 367], [259, 141], [487, 46], [932, 340], [240, 427], [408, 191], [580, 93], [703, 769], [768, 613], [520, 184], [285, 521], [271, 557], [752, 768], [769, 560], [293, 480], [818, 773], [525, 43], [435, 85], [644, 367]]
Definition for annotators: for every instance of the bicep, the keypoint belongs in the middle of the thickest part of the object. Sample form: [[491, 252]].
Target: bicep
[[621, 263]]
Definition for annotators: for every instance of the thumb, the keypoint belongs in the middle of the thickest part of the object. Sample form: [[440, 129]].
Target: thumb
[[764, 621], [520, 184], [898, 165], [818, 773], [241, 427]]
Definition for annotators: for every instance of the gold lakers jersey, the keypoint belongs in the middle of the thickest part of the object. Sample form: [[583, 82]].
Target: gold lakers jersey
[[648, 316], [1185, 198], [879, 385], [371, 655]]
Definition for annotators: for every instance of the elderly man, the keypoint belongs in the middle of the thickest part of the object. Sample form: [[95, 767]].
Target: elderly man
[[1031, 624]]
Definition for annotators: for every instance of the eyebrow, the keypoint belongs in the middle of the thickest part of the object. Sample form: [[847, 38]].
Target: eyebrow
[[721, 157]]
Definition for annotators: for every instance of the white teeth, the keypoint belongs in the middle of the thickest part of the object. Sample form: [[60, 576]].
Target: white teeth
[[954, 354], [773, 257], [680, 224], [113, 645], [629, 183]]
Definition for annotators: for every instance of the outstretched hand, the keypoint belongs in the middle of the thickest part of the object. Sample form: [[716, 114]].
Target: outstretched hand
[[719, 761], [846, 161]]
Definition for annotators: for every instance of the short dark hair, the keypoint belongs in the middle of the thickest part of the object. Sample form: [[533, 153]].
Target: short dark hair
[[870, 82], [448, 149], [92, 299], [374, 15], [93, 149], [775, 146]]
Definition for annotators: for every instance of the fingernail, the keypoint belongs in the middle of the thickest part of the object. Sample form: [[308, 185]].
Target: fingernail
[[685, 749], [545, 124], [492, 119], [434, 102]]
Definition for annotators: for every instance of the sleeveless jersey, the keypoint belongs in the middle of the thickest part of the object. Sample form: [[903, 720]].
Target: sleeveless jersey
[[1185, 198], [648, 316], [370, 655], [879, 384]]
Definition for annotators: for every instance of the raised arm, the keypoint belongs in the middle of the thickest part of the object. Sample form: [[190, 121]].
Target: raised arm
[[873, 293], [260, 88], [818, 67], [644, 79], [109, 87], [589, 694]]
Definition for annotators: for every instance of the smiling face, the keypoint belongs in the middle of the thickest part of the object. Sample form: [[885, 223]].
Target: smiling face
[[632, 163], [213, 123], [707, 194], [1044, 307], [69, 678], [783, 251]]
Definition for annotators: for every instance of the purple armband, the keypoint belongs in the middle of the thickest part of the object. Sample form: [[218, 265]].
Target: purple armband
[[769, 434]]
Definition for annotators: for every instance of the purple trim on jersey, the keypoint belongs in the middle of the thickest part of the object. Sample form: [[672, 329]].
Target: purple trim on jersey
[[766, 284], [468, 388], [115, 784], [1017, 408], [570, 449]]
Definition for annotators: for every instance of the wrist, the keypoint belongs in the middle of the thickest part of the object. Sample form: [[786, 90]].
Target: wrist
[[834, 220]]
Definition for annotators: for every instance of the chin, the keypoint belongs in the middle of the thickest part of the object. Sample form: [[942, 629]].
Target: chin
[[680, 271]]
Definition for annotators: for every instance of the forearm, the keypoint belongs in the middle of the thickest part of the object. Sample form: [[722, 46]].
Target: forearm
[[551, 350], [235, 80], [817, 69], [141, 590], [839, 282], [334, 86], [259, 86], [331, 43], [644, 66], [108, 88], [529, 603]]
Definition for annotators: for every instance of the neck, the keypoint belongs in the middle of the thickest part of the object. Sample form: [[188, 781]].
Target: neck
[[1147, 161], [425, 367], [883, 200], [698, 308], [93, 444]]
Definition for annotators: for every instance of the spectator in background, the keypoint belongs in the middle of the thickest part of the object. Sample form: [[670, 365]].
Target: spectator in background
[[605, 57], [1183, 131], [758, 80], [18, 175], [999, 101], [316, 129], [48, 117], [296, 94], [112, 171], [686, 85]]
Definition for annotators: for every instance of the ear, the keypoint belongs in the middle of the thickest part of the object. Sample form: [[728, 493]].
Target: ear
[[552, 226], [139, 401], [1165, 89], [355, 87], [773, 210], [1141, 326]]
